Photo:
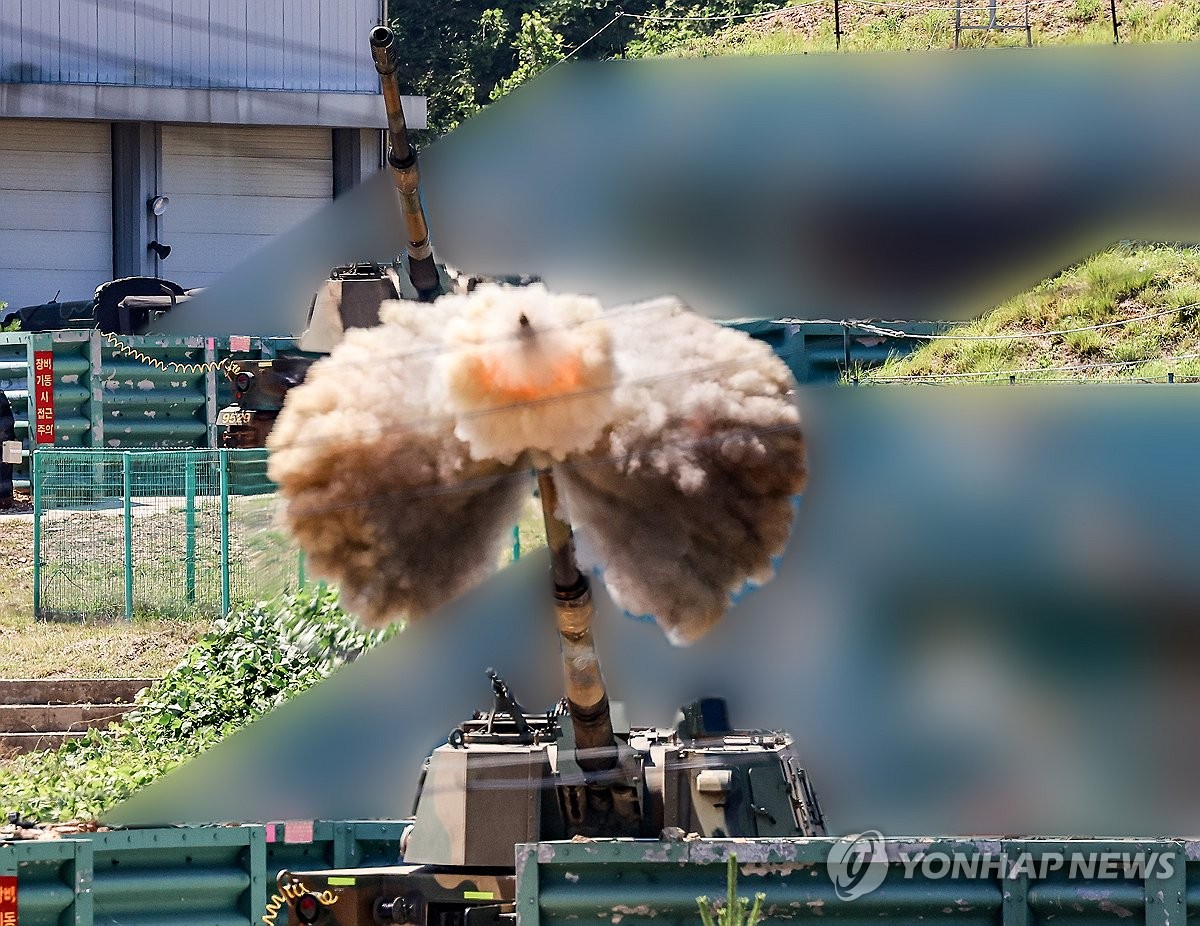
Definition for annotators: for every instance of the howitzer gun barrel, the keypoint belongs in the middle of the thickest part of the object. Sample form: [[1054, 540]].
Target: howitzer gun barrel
[[587, 697], [402, 159]]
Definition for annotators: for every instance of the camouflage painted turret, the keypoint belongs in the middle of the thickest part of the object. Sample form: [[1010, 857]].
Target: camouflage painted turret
[[509, 776], [351, 296]]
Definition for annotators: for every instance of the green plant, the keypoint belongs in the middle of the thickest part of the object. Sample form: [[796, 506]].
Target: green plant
[[252, 661], [1084, 343], [1084, 11], [537, 46], [1141, 291], [736, 911]]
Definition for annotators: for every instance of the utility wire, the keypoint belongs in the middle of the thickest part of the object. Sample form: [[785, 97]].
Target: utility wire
[[595, 35], [711, 17]]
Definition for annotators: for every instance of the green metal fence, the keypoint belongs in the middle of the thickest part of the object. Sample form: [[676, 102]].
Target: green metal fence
[[970, 881], [158, 533], [202, 875], [106, 397]]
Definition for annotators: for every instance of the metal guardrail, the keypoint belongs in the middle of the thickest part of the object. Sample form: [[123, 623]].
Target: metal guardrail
[[979, 881], [100, 398], [211, 875]]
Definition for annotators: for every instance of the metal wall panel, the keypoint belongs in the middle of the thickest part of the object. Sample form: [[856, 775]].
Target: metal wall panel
[[264, 56], [78, 42], [116, 61], [233, 189], [10, 40], [55, 210], [151, 53], [205, 875], [189, 45], [300, 67], [39, 42], [339, 58], [265, 44]]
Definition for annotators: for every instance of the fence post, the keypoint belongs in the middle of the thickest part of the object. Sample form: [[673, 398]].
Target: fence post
[[35, 483], [223, 462], [189, 489], [1112, 7], [127, 482]]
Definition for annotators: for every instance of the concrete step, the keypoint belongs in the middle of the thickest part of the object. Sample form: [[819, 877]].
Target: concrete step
[[71, 690], [11, 743], [40, 714], [55, 718]]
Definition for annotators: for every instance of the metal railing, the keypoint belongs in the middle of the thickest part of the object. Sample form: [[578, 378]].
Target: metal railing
[[161, 533]]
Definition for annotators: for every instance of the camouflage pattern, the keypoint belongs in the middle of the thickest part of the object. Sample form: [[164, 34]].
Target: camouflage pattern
[[416, 894], [259, 390], [349, 298]]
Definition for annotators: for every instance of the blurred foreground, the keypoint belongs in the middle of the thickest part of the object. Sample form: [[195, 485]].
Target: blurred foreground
[[983, 624]]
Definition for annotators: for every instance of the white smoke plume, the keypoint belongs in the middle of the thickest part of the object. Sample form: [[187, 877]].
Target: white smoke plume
[[404, 457]]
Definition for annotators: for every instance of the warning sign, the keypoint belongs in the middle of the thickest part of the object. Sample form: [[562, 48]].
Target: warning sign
[[43, 401], [8, 900]]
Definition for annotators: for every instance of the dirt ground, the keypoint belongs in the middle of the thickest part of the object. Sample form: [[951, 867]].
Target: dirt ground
[[29, 649]]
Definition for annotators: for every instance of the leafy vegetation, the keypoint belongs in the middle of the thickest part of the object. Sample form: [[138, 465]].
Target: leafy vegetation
[[736, 911], [463, 55], [252, 661], [1117, 285]]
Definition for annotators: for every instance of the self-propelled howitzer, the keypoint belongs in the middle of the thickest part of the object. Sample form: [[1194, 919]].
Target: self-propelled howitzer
[[577, 770], [510, 776]]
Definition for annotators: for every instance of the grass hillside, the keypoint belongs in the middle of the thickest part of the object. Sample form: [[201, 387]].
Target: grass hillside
[[1108, 290], [905, 25]]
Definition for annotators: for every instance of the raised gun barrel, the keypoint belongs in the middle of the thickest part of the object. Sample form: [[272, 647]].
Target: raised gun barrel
[[402, 159], [587, 698]]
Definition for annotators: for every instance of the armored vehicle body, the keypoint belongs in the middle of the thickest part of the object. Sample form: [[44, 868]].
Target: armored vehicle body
[[508, 776]]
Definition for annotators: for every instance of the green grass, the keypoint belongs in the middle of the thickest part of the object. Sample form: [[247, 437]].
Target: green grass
[[883, 27], [164, 626], [1118, 284], [251, 662], [145, 648]]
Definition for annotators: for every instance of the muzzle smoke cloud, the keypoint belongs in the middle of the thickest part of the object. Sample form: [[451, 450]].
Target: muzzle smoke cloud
[[406, 455]]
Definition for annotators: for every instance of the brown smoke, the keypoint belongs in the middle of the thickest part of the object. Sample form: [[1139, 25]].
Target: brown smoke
[[689, 495], [676, 442], [380, 493]]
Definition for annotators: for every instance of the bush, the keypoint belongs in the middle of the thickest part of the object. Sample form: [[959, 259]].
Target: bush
[[251, 662]]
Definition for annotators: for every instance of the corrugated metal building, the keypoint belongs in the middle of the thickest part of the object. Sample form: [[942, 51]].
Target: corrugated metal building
[[247, 115]]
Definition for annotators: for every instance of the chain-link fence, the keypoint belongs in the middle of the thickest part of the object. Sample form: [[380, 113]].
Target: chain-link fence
[[161, 533]]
